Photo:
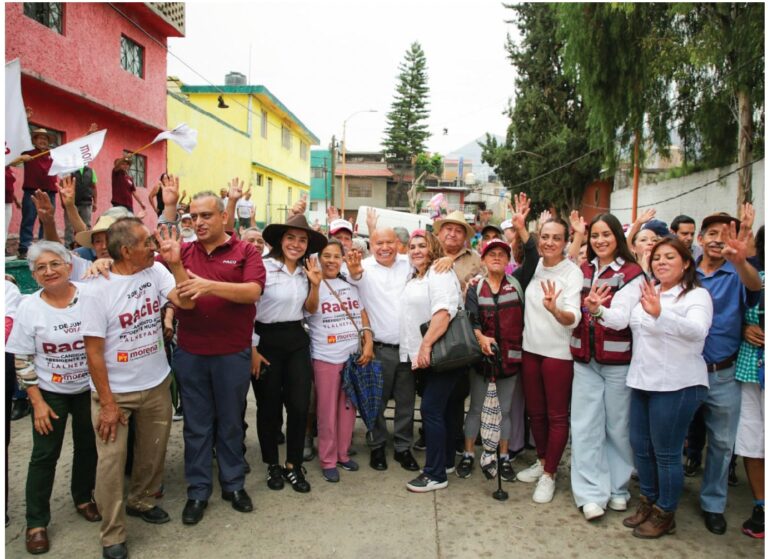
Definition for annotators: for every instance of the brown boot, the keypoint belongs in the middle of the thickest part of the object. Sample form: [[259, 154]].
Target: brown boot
[[641, 514], [658, 524]]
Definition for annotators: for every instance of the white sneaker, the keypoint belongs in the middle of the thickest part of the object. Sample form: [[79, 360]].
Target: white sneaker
[[531, 473], [592, 511], [545, 490], [618, 503]]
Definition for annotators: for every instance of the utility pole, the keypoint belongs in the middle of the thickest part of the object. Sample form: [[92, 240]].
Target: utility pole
[[333, 171]]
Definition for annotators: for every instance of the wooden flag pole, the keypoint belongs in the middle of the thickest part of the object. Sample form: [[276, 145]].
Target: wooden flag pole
[[142, 148]]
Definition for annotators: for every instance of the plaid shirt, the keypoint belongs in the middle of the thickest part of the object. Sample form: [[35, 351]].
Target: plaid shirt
[[750, 355]]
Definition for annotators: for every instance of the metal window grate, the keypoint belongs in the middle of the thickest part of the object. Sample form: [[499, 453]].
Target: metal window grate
[[287, 138], [47, 13], [131, 56], [303, 151], [138, 169]]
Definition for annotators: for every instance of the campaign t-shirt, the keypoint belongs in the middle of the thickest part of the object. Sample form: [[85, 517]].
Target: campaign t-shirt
[[244, 208], [332, 335], [36, 172], [122, 189], [125, 311], [53, 336]]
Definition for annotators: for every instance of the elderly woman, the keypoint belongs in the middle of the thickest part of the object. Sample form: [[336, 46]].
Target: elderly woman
[[496, 307], [430, 297], [551, 312], [292, 287], [51, 365], [601, 456], [334, 330], [667, 375]]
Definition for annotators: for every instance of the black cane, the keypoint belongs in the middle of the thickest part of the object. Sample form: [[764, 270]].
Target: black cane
[[499, 494]]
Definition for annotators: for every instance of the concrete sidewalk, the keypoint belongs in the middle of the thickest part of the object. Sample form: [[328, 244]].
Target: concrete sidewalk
[[371, 514]]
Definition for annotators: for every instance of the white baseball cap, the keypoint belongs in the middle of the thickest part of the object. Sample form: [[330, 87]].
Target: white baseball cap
[[339, 224], [507, 224]]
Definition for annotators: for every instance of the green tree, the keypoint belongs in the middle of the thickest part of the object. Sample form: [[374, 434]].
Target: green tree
[[424, 165], [547, 121]]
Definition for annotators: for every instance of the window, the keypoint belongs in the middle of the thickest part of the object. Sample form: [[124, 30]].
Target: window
[[360, 190], [264, 123], [259, 179], [131, 56], [290, 196], [287, 138], [56, 136], [318, 172], [303, 151], [138, 169], [47, 13], [313, 206]]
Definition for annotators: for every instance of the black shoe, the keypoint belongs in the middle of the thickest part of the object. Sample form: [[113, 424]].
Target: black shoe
[[117, 551], [692, 466], [420, 443], [715, 522], [506, 471], [275, 477], [464, 469], [407, 461], [241, 502], [20, 408], [193, 511], [295, 476], [155, 515], [754, 526], [379, 459]]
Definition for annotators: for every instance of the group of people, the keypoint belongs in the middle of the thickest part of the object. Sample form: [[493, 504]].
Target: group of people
[[597, 336]]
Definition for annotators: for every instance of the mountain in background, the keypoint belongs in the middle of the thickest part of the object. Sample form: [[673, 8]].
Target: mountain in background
[[472, 151]]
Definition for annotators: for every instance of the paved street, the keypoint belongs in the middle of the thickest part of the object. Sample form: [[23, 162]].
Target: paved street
[[370, 514]]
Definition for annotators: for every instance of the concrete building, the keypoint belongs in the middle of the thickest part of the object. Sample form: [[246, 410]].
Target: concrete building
[[366, 175], [244, 131], [96, 62], [321, 181]]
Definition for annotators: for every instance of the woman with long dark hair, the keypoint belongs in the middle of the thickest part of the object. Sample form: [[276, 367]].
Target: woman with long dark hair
[[292, 287], [601, 456], [667, 375]]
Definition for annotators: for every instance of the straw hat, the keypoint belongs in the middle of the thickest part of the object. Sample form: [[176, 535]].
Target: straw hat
[[456, 217], [84, 238], [42, 132], [274, 233]]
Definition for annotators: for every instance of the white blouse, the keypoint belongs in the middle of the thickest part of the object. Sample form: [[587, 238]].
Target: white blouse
[[284, 294], [422, 298], [666, 352]]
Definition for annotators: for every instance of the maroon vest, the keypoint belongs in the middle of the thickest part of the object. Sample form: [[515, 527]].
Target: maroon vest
[[502, 320], [606, 346]]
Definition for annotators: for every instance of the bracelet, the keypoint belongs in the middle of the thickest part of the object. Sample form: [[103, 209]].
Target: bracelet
[[364, 328], [598, 314]]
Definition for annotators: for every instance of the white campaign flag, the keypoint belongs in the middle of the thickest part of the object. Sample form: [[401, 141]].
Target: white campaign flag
[[77, 153], [183, 135], [16, 127]]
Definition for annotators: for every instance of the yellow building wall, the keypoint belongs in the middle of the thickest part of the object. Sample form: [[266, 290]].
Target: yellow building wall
[[223, 152]]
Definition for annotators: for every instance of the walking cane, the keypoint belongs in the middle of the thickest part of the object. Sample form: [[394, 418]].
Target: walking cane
[[499, 494]]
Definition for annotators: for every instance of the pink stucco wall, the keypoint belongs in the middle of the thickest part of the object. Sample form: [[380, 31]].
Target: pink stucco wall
[[74, 79]]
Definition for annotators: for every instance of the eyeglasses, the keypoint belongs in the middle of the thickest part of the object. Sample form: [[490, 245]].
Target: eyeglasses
[[55, 266]]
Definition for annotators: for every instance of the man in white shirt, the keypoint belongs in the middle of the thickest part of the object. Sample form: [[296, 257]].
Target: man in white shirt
[[381, 279], [123, 336], [244, 210]]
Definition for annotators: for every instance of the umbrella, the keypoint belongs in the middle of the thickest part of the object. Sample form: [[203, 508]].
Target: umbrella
[[490, 431], [364, 385]]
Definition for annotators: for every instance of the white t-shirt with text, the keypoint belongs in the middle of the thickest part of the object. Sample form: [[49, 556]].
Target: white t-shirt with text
[[333, 336]]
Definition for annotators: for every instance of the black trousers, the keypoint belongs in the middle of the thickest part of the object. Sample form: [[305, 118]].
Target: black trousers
[[286, 382]]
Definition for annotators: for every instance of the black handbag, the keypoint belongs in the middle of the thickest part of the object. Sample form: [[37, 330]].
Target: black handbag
[[457, 348]]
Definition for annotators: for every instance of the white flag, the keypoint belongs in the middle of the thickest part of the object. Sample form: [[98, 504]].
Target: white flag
[[77, 153], [16, 127], [183, 135]]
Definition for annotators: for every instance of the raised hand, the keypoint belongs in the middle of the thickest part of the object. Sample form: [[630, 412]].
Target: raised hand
[[597, 296], [647, 215], [300, 206], [650, 299], [170, 189], [551, 294], [43, 206], [577, 223], [736, 244], [544, 217], [522, 203], [235, 189], [168, 244], [67, 191], [332, 213], [93, 128], [747, 216], [313, 271], [371, 219], [353, 258]]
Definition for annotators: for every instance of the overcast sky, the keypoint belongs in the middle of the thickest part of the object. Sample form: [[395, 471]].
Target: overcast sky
[[327, 59]]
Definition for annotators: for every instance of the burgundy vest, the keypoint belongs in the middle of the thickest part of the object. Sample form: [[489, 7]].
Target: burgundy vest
[[606, 346], [503, 321]]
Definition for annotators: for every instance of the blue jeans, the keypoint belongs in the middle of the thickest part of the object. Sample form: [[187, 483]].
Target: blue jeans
[[28, 217], [436, 417], [658, 423], [601, 456], [722, 408]]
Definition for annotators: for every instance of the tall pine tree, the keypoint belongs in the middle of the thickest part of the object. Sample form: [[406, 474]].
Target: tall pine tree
[[548, 120], [406, 132]]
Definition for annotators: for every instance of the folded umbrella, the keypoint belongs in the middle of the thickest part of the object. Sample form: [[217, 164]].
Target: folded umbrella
[[364, 385], [490, 431]]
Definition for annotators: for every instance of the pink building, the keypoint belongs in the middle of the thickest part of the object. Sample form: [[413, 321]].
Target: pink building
[[102, 63]]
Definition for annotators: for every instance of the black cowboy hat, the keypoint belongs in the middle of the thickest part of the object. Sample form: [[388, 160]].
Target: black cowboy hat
[[273, 233]]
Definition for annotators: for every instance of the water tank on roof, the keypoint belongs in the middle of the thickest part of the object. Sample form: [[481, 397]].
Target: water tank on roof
[[234, 78], [469, 179]]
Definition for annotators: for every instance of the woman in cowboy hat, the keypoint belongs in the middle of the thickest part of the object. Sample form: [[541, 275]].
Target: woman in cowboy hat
[[281, 367]]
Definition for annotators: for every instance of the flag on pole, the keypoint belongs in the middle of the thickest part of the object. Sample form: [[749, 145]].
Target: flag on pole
[[183, 135], [16, 127], [76, 154]]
